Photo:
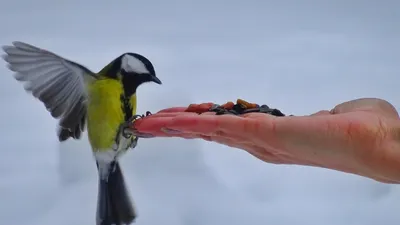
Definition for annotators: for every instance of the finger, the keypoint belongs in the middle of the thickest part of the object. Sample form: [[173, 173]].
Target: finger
[[207, 124], [165, 114], [153, 123], [321, 113], [257, 130], [157, 125], [156, 122], [181, 135], [172, 110], [255, 115], [182, 122], [171, 113], [162, 120]]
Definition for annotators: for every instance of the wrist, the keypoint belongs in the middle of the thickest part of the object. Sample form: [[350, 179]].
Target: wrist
[[384, 160], [332, 142]]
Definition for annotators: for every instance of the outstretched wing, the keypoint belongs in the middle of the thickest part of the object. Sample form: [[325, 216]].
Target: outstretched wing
[[59, 83]]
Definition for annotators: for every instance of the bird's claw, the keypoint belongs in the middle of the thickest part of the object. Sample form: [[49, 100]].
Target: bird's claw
[[127, 130]]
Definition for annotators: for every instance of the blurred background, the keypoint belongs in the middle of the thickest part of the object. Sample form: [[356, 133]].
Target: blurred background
[[298, 56]]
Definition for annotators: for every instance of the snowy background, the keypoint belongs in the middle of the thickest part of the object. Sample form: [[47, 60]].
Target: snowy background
[[298, 56]]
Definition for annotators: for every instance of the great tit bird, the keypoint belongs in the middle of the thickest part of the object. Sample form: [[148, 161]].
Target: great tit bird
[[103, 101]]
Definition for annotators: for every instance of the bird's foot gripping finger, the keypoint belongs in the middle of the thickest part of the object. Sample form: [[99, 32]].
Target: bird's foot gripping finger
[[128, 131], [241, 107]]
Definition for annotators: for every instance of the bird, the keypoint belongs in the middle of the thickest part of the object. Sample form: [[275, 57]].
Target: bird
[[103, 103]]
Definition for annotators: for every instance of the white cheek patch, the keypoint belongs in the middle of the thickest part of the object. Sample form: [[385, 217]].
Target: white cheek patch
[[133, 65]]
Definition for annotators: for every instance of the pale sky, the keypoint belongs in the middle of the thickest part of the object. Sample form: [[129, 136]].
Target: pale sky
[[298, 56]]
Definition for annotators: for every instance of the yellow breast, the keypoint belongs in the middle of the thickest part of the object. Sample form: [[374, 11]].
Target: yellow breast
[[105, 112]]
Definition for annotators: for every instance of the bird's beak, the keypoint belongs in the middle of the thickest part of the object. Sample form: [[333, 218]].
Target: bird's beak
[[156, 80]]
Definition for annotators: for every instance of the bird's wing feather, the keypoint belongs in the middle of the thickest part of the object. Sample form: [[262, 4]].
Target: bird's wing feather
[[59, 83]]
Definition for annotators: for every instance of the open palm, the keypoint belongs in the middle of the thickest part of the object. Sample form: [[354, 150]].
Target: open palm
[[357, 137]]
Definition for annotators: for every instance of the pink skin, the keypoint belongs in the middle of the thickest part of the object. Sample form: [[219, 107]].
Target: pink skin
[[360, 136]]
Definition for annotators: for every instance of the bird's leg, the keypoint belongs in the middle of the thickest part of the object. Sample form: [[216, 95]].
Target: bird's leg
[[134, 142], [136, 139], [127, 131]]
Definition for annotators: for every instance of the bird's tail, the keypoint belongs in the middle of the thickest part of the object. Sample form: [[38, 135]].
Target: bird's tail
[[114, 206]]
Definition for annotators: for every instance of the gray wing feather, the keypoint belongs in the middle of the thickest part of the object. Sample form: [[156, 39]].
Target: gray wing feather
[[57, 82]]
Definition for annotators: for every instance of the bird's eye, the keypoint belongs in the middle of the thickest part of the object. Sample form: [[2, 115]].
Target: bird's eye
[[131, 64]]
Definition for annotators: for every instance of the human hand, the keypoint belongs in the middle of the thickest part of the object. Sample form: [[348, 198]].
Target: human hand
[[359, 136]]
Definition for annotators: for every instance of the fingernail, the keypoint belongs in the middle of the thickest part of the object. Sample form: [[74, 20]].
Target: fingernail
[[170, 131]]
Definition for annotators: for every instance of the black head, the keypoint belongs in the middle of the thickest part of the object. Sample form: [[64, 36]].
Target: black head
[[133, 70]]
